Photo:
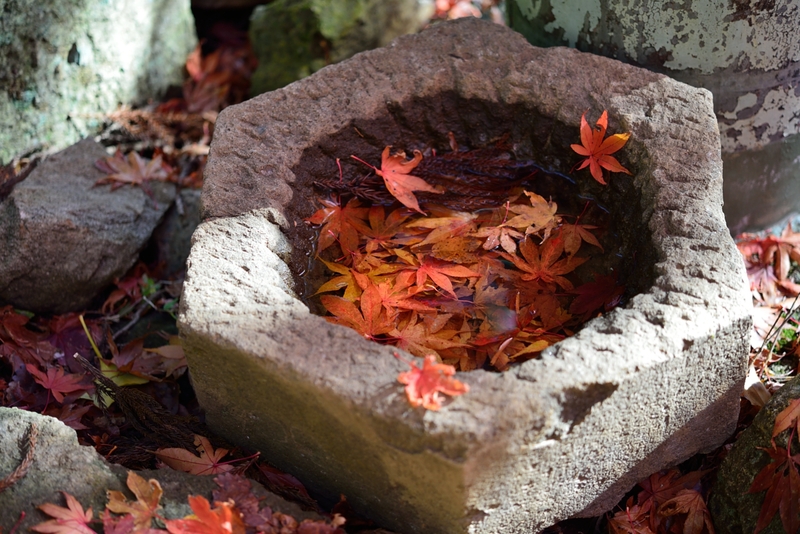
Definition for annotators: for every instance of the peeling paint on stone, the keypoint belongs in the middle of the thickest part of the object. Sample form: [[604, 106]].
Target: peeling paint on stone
[[737, 51]]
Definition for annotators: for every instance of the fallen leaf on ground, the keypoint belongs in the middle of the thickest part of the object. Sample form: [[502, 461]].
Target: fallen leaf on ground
[[223, 519], [70, 520], [691, 503], [205, 464], [145, 507], [135, 171], [58, 382]]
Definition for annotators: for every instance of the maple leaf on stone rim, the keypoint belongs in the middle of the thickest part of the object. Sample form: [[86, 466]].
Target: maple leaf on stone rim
[[424, 384], [598, 150]]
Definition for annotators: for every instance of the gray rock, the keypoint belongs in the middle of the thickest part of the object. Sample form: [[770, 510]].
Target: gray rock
[[65, 63], [637, 390], [173, 237], [63, 240], [734, 510], [294, 38], [61, 464]]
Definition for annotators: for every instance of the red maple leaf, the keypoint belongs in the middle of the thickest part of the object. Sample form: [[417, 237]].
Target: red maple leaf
[[439, 273], [423, 385], [782, 481], [691, 503], [598, 150], [660, 487], [339, 223], [70, 520], [58, 382], [394, 171]]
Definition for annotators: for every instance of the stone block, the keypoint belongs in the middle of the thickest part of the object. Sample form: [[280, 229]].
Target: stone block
[[639, 389], [63, 240]]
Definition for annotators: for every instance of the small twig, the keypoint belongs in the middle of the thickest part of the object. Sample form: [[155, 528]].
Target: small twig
[[25, 464], [17, 524]]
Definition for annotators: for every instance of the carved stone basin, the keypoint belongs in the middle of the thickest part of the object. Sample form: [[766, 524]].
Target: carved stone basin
[[639, 389]]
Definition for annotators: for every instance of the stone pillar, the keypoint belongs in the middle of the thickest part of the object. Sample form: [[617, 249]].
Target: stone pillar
[[746, 52]]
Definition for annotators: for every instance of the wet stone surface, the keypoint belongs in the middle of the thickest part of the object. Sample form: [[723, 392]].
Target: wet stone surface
[[637, 390]]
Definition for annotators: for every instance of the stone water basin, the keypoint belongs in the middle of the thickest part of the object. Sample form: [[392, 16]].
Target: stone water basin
[[641, 388]]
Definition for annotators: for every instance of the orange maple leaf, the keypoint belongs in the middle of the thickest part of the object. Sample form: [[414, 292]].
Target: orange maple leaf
[[370, 321], [543, 263], [135, 171], [70, 520], [144, 508], [223, 519], [540, 216], [423, 385], [421, 338], [394, 171], [575, 234], [439, 273], [598, 150], [208, 463]]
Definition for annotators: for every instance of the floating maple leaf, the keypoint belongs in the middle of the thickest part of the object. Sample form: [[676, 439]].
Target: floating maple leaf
[[135, 171], [70, 520], [423, 385], [601, 295], [543, 263], [339, 223], [394, 171], [598, 150], [369, 321], [539, 217]]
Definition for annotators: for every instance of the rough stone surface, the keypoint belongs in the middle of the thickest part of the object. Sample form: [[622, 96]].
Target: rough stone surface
[[64, 63], [172, 239], [61, 464], [734, 510], [293, 38], [638, 389], [63, 240]]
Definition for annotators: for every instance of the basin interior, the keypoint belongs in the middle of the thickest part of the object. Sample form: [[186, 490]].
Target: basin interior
[[423, 124]]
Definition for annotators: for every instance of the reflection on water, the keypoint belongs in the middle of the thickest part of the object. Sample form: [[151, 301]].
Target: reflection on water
[[762, 187]]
